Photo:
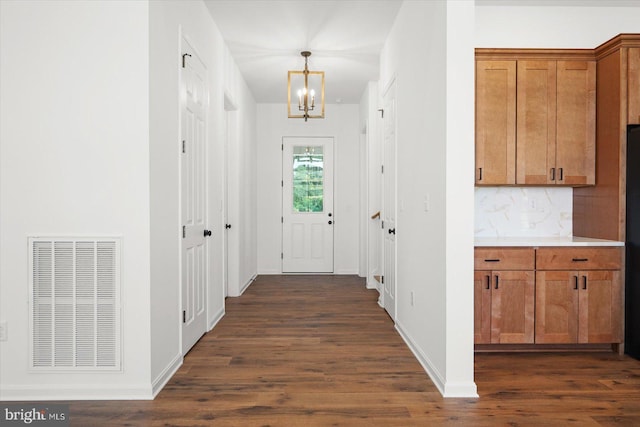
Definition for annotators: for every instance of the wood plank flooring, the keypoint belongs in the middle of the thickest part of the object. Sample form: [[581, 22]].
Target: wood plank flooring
[[319, 351]]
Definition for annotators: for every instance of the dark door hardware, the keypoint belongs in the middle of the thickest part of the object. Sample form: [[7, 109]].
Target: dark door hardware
[[580, 259], [497, 279], [207, 233], [492, 260], [392, 231], [227, 226], [575, 282], [488, 282], [330, 222], [184, 59], [330, 214]]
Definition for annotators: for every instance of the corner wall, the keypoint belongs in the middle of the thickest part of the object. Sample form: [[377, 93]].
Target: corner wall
[[430, 56]]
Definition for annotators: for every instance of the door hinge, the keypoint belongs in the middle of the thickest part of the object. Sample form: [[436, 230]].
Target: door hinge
[[382, 169], [282, 147], [382, 224], [281, 255], [184, 231], [382, 279], [184, 55], [381, 112], [184, 316], [282, 219], [281, 183], [184, 146]]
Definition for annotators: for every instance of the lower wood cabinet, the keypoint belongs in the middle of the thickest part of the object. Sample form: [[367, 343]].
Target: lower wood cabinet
[[550, 295], [578, 307], [504, 289], [504, 309]]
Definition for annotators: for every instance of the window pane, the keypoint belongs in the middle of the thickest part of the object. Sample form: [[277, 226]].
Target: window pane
[[308, 179]]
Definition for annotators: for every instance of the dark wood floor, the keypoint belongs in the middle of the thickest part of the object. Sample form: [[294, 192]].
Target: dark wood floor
[[319, 351]]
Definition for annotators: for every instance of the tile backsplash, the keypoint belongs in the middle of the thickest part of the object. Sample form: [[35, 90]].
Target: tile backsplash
[[523, 212]]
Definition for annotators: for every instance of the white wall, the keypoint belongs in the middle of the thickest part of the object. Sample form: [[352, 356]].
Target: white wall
[[552, 26], [429, 52], [340, 122], [74, 160]]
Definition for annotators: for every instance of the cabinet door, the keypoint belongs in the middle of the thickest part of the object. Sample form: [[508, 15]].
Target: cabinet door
[[576, 122], [512, 307], [633, 81], [482, 307], [536, 124], [556, 307], [600, 319], [495, 122]]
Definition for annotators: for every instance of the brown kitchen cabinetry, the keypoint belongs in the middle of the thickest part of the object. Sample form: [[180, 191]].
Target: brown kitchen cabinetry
[[578, 296], [495, 122], [556, 122], [504, 293], [535, 117]]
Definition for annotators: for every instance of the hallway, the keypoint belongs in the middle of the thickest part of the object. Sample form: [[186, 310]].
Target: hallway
[[319, 351]]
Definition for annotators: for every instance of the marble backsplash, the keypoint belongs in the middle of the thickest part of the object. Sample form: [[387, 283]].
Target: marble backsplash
[[523, 212]]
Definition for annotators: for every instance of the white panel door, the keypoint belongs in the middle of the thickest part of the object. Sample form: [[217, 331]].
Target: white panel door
[[307, 210], [193, 95], [389, 207]]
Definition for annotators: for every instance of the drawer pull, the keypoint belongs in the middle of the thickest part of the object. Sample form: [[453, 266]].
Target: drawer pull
[[553, 174], [492, 260], [497, 281], [580, 259], [575, 282], [480, 178], [488, 282], [584, 282]]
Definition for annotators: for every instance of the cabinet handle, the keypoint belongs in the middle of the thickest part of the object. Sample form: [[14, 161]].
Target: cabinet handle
[[480, 178], [553, 174], [492, 260], [575, 282], [579, 259], [488, 282], [561, 175], [584, 282], [497, 279]]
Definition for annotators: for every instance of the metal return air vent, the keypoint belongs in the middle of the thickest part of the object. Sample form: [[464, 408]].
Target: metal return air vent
[[75, 303]]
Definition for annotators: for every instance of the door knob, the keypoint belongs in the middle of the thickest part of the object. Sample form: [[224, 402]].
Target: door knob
[[330, 222], [392, 231], [207, 233], [330, 214], [227, 226]]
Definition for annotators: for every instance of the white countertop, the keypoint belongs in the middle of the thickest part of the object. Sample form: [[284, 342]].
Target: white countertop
[[544, 241]]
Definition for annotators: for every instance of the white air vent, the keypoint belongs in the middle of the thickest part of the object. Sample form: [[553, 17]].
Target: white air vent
[[75, 303]]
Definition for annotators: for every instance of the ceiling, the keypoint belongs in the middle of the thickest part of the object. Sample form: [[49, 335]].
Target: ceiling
[[345, 38]]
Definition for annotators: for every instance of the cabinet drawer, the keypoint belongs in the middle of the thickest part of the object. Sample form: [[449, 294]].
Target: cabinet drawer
[[504, 259], [578, 259]]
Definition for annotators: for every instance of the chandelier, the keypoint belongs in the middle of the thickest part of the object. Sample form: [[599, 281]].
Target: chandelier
[[307, 85]]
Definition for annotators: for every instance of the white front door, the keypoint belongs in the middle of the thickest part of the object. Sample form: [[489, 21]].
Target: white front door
[[307, 210], [193, 97], [389, 207]]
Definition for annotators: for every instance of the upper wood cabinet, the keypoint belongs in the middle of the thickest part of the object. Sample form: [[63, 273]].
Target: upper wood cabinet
[[549, 137], [556, 122], [633, 82], [495, 122]]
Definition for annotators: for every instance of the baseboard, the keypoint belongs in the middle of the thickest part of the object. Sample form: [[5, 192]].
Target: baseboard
[[246, 285], [96, 391], [216, 318], [350, 272], [270, 272], [166, 374], [450, 389]]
